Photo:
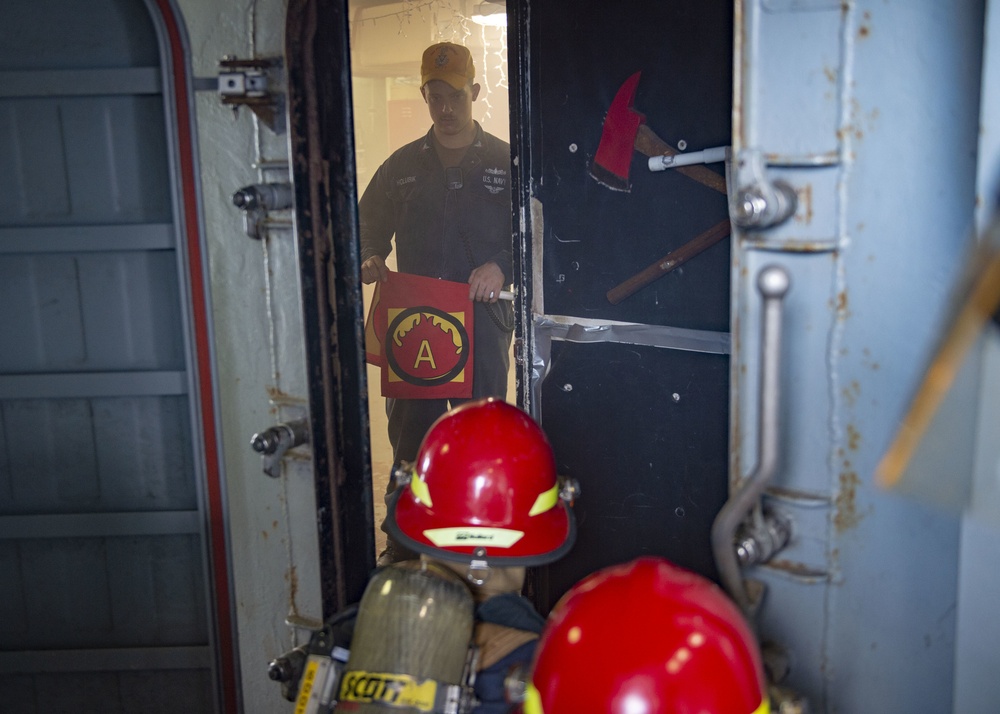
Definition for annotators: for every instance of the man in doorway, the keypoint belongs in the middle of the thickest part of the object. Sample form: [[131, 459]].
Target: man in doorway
[[446, 199]]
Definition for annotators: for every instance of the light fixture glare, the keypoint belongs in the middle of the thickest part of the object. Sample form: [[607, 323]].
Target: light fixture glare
[[490, 14]]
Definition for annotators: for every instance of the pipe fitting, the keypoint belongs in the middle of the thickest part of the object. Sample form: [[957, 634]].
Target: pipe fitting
[[761, 541], [273, 443]]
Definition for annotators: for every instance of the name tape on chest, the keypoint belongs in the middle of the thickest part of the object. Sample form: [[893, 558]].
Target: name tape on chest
[[493, 179]]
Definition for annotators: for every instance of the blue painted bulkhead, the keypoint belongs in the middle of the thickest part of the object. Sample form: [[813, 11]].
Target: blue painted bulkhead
[[871, 111]]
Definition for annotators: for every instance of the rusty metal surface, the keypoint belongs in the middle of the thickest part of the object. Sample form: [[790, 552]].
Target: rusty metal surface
[[322, 158], [838, 108]]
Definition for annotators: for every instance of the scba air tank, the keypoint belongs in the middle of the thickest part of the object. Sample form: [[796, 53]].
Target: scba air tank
[[411, 649]]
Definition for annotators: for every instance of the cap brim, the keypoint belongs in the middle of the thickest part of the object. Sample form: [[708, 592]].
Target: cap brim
[[456, 81]]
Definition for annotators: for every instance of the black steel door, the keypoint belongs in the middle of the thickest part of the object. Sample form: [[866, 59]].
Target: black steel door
[[633, 391]]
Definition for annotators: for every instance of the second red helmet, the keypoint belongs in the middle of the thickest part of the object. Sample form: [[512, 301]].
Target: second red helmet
[[484, 487], [650, 637]]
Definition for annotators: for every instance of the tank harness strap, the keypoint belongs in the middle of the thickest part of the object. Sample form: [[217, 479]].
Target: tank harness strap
[[497, 641]]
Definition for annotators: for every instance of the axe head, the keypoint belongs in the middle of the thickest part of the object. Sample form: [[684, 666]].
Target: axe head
[[621, 124]]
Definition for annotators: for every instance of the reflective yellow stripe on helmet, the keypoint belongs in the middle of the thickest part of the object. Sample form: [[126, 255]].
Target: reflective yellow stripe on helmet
[[532, 700], [420, 490], [546, 501], [764, 708]]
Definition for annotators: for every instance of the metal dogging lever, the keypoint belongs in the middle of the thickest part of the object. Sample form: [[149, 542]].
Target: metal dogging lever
[[773, 283]]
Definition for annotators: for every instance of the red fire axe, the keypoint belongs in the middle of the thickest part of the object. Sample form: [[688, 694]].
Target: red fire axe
[[625, 131]]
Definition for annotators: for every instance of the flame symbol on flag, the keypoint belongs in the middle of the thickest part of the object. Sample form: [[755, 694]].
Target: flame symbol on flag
[[412, 321]]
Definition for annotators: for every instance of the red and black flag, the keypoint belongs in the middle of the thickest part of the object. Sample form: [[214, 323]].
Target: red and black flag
[[419, 331]]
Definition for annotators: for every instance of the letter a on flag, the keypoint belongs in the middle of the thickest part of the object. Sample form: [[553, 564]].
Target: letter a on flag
[[419, 331]]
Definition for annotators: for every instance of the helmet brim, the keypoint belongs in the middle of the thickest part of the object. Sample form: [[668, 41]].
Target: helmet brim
[[407, 524]]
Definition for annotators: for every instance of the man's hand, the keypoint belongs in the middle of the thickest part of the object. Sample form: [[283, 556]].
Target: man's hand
[[373, 270], [486, 282]]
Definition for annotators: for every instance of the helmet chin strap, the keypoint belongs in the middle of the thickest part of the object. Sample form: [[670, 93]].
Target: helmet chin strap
[[479, 569], [485, 580]]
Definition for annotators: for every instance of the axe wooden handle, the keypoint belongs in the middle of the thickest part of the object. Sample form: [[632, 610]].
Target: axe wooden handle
[[670, 261], [648, 143]]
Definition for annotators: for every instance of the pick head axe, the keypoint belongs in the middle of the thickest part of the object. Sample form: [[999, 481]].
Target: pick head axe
[[625, 131]]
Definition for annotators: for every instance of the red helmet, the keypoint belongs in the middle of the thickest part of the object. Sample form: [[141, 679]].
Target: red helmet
[[646, 637], [484, 488]]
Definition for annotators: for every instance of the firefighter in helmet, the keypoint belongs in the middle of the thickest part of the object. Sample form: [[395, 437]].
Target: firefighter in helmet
[[483, 498], [481, 503], [680, 645]]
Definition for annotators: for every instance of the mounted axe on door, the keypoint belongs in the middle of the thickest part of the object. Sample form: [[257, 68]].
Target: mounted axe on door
[[625, 131], [645, 422]]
